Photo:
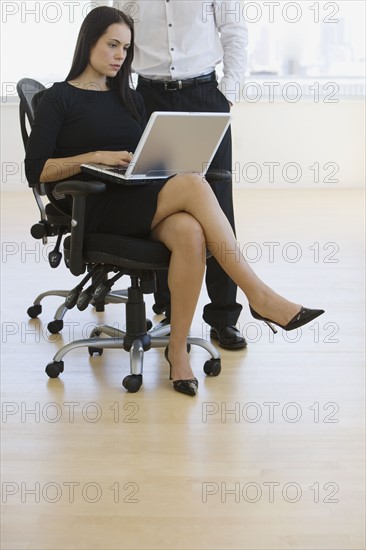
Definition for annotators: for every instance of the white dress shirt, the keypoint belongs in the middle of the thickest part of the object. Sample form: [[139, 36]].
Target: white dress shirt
[[180, 39]]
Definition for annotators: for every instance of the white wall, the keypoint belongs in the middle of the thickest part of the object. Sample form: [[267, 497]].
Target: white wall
[[314, 144], [310, 143]]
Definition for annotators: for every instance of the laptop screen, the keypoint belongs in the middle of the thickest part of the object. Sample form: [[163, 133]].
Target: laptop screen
[[178, 142]]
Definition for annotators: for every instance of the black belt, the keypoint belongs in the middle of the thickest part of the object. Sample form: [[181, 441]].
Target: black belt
[[172, 85]]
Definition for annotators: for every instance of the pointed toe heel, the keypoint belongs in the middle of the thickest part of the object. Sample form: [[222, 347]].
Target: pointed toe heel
[[305, 315], [188, 387]]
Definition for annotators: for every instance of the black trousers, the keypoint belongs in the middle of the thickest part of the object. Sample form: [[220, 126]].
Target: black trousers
[[223, 309]]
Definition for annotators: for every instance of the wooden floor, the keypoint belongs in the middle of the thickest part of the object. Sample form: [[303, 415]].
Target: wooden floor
[[268, 456]]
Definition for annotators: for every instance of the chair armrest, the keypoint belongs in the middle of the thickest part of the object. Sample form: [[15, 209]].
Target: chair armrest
[[79, 190], [218, 176]]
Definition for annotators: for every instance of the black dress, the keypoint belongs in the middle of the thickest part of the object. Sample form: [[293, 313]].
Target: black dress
[[71, 121]]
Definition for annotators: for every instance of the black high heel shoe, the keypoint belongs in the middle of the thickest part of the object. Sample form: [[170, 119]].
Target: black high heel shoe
[[189, 387], [304, 316]]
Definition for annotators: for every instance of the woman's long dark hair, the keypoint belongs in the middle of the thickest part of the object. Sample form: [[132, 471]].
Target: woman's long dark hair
[[94, 26]]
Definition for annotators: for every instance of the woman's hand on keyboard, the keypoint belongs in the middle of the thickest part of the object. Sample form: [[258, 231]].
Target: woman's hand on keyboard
[[113, 158]]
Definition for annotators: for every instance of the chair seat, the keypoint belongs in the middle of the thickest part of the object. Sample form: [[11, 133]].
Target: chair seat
[[126, 252]]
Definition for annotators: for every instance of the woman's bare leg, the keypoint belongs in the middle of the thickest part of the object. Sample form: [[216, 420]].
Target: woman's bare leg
[[192, 194], [184, 236]]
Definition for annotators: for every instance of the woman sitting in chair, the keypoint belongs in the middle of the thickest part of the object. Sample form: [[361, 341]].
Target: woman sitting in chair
[[95, 116]]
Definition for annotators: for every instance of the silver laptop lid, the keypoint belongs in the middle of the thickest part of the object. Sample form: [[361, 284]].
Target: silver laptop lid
[[178, 142]]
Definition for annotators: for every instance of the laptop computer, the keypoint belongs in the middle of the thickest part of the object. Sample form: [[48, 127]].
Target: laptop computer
[[172, 143]]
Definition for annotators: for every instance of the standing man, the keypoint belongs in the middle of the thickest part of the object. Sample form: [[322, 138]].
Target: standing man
[[178, 45]]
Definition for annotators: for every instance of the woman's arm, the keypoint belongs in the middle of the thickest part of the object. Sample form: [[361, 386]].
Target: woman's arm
[[56, 169], [41, 163]]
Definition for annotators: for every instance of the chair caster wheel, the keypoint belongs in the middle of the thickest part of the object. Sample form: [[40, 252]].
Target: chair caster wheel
[[55, 368], [54, 327], [132, 382], [92, 351], [149, 325], [34, 311], [212, 367]]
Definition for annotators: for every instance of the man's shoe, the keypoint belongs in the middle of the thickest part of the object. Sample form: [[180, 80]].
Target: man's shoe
[[159, 308], [228, 337]]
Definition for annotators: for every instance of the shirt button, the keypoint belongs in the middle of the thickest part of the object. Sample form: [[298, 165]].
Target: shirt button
[[170, 25], [172, 49], [173, 68]]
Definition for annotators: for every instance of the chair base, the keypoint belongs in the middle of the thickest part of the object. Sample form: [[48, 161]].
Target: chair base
[[117, 340], [55, 326]]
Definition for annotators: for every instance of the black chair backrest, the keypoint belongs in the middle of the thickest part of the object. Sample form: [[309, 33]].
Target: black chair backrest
[[30, 92]]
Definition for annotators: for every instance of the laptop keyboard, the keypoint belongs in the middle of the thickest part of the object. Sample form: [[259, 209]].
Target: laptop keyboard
[[120, 171]]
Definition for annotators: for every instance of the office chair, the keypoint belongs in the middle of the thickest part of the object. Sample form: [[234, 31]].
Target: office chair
[[54, 221], [104, 254], [101, 255]]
